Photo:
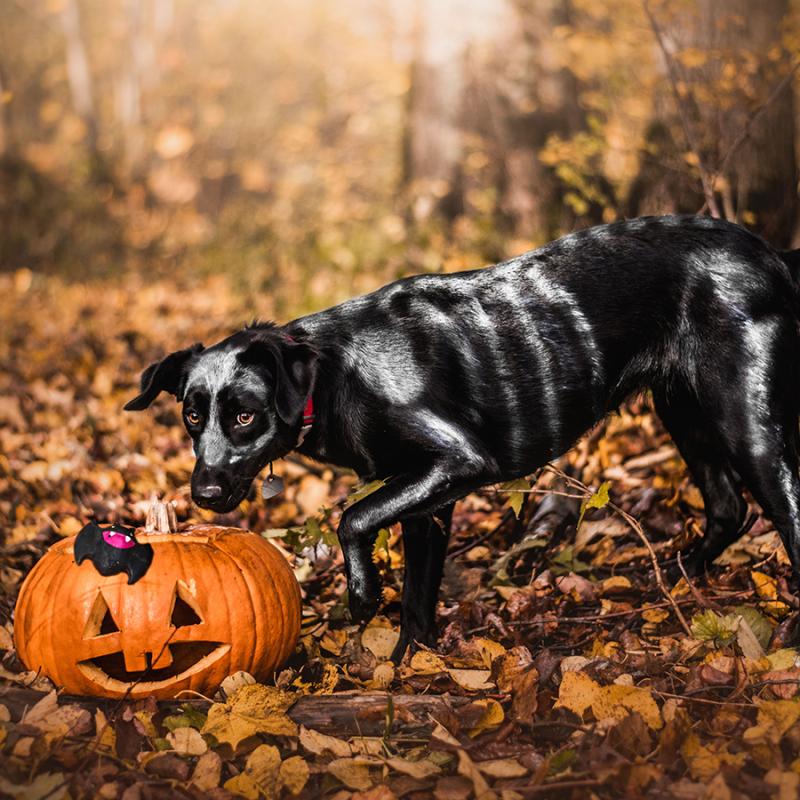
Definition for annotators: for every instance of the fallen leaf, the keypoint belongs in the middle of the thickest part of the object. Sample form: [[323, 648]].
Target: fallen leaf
[[467, 768], [293, 774], [423, 662], [353, 772], [260, 775], [250, 710], [380, 638], [578, 692], [502, 768], [187, 742], [472, 679], [319, 743], [416, 769], [234, 682], [207, 771], [45, 786]]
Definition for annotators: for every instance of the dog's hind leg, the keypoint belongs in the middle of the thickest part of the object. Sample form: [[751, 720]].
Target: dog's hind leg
[[756, 416], [424, 548], [705, 456]]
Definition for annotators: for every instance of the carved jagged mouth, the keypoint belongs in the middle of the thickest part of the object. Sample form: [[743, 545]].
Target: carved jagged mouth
[[188, 658]]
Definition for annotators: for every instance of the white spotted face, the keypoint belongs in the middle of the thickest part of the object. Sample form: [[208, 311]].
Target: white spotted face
[[228, 412]]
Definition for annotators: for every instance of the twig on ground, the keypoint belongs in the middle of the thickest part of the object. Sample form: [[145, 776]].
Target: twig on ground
[[639, 531]]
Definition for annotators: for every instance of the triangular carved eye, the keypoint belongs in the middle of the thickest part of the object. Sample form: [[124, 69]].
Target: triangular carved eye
[[185, 611], [101, 621]]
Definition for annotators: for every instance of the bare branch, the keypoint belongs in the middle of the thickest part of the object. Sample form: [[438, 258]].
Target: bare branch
[[706, 177]]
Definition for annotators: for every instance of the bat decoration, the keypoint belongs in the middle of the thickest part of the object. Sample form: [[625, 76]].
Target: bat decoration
[[113, 549]]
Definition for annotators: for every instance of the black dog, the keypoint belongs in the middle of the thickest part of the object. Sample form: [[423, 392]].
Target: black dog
[[445, 383]]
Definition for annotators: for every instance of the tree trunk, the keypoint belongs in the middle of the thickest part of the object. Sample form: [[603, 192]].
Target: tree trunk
[[749, 143], [80, 79]]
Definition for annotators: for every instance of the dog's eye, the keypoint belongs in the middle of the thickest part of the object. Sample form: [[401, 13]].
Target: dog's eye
[[192, 417], [245, 417]]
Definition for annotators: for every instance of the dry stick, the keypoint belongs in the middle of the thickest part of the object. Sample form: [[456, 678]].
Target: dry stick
[[637, 528], [701, 601], [705, 176], [745, 132]]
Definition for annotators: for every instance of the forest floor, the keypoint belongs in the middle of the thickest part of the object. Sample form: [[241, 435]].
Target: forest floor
[[564, 668]]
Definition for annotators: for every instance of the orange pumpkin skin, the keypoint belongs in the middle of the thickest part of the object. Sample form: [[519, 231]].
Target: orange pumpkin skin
[[214, 601]]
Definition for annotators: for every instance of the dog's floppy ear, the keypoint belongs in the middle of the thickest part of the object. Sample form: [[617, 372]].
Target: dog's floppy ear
[[294, 368], [163, 376]]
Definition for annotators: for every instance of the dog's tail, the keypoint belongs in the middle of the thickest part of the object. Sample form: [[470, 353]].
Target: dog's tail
[[792, 260]]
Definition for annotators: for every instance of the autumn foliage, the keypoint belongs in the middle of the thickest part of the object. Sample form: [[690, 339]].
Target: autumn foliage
[[169, 171]]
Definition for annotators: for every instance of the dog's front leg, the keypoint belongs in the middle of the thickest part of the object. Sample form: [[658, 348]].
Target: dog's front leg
[[402, 497]]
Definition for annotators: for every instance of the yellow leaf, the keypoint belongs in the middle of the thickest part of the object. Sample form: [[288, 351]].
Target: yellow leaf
[[352, 772], [705, 762], [252, 709], [234, 682], [380, 638], [472, 679], [655, 615], [615, 584], [424, 662], [774, 719], [242, 785], [468, 768], [260, 776], [207, 772], [319, 743], [293, 774], [766, 586], [333, 641], [578, 692], [187, 742], [502, 768], [516, 490], [492, 716], [416, 769], [105, 736]]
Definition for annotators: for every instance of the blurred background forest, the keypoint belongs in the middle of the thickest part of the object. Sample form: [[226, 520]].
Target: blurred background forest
[[312, 150]]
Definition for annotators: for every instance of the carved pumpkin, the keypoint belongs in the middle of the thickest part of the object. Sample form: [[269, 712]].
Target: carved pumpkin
[[213, 601]]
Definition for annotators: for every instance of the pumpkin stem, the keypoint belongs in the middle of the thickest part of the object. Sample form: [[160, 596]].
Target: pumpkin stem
[[161, 517]]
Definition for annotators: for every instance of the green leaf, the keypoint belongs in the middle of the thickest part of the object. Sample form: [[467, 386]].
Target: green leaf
[[189, 718], [561, 761], [598, 500], [517, 490], [709, 626], [566, 562], [360, 492], [759, 624], [382, 542]]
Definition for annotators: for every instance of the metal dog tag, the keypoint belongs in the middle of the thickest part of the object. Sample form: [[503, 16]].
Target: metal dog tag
[[273, 485]]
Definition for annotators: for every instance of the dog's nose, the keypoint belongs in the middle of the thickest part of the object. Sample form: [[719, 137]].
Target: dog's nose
[[210, 491]]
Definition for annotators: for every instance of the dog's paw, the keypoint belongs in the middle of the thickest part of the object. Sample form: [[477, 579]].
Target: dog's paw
[[410, 641], [363, 606]]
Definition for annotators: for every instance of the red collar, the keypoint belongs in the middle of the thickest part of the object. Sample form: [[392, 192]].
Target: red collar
[[308, 420]]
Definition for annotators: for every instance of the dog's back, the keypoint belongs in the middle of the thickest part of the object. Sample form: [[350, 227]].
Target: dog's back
[[530, 353]]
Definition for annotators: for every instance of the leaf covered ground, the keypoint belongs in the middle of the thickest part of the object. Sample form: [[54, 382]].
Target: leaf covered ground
[[568, 665]]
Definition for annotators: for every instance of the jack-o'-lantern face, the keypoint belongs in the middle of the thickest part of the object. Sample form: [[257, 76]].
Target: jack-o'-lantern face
[[118, 649], [212, 602]]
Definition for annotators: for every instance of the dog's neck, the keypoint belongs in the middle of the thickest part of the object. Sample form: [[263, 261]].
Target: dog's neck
[[333, 400]]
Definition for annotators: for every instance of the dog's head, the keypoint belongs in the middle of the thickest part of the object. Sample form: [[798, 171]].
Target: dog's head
[[243, 402]]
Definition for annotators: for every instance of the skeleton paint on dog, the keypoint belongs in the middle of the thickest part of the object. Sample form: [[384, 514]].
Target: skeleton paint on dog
[[441, 384]]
